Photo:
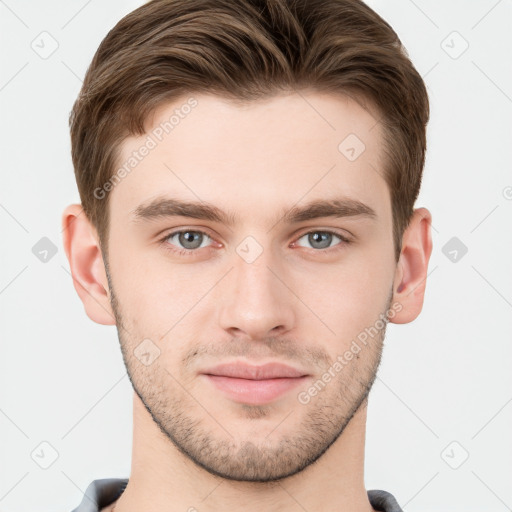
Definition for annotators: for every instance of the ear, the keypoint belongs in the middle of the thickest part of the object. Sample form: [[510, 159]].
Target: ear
[[411, 271], [81, 244]]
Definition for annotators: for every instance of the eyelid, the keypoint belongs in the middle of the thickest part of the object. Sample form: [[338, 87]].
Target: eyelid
[[333, 231]]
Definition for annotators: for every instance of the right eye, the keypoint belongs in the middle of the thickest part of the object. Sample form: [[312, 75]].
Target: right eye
[[189, 241]]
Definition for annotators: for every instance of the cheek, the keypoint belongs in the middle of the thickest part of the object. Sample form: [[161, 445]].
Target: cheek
[[351, 297], [154, 295]]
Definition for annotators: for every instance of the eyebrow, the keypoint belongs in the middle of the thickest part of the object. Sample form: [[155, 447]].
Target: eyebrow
[[169, 207]]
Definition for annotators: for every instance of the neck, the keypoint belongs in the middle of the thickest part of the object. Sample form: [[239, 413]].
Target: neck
[[162, 478]]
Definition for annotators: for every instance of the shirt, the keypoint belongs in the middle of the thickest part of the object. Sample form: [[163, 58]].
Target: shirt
[[105, 491]]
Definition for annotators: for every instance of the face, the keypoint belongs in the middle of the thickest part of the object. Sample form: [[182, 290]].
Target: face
[[286, 257]]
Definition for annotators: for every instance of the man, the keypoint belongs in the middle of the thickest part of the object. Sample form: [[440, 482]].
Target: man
[[247, 173]]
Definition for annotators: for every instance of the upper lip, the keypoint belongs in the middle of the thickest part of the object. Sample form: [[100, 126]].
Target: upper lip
[[245, 371]]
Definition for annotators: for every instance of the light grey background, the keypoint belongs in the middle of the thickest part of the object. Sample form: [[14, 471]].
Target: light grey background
[[444, 388]]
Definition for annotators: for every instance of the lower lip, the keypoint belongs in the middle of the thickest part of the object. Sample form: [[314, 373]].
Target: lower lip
[[254, 392]]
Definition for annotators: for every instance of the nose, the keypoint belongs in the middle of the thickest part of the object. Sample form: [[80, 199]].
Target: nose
[[255, 299]]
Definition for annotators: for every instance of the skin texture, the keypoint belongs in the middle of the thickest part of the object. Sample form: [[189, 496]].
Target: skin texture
[[300, 302]]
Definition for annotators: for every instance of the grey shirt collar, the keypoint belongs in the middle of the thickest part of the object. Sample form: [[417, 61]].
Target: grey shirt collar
[[101, 493]]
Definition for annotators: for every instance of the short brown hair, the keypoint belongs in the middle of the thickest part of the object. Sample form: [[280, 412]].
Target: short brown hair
[[245, 50]]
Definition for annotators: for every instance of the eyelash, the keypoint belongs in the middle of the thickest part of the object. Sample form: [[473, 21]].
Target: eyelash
[[191, 252]]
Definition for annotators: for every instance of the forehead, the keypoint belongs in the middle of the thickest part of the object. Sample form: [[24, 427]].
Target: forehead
[[263, 153]]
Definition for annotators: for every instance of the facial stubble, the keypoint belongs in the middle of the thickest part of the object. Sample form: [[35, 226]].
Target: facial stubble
[[184, 418]]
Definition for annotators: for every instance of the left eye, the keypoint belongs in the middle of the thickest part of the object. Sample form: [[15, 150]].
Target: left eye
[[322, 239]]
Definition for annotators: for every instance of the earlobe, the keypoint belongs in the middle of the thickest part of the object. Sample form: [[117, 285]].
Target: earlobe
[[82, 249], [411, 272]]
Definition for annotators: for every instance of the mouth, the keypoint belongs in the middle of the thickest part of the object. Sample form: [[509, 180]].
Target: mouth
[[254, 385]]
